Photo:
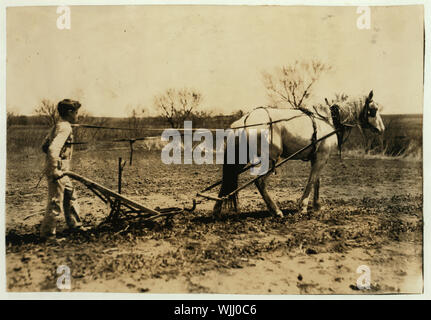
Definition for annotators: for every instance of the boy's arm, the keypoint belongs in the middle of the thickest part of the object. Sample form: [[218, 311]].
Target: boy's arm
[[62, 133]]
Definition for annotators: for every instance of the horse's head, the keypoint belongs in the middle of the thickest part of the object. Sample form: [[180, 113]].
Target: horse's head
[[370, 116]]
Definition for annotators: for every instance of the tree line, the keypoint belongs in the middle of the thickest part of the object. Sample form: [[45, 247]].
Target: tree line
[[287, 86]]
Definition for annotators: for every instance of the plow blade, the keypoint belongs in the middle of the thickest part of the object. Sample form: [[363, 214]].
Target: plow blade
[[101, 190]]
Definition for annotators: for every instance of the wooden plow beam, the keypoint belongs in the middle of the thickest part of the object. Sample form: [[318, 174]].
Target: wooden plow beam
[[117, 201]]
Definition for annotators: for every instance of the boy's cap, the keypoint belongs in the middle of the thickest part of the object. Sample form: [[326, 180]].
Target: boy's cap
[[68, 104]]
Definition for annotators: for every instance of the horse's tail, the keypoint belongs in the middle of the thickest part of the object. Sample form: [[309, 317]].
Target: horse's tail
[[231, 173]]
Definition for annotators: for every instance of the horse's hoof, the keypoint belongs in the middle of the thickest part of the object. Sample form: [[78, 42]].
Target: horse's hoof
[[316, 207], [303, 210], [301, 206], [279, 213], [217, 213]]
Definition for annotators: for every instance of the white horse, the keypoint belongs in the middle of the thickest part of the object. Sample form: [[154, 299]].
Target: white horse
[[291, 130]]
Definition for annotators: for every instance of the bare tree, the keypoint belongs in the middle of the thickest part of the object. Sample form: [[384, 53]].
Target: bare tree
[[341, 97], [293, 83], [136, 119], [202, 118], [87, 134], [9, 118], [85, 117], [237, 114], [177, 105], [48, 110]]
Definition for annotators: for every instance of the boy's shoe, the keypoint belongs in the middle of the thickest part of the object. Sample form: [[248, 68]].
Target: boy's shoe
[[52, 239], [78, 228]]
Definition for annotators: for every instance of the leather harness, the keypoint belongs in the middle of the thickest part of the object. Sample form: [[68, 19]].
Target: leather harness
[[269, 117], [270, 123]]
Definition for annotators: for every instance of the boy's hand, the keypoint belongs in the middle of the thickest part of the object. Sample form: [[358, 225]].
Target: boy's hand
[[57, 174]]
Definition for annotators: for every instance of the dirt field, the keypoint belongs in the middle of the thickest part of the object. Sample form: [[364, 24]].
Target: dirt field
[[371, 215]]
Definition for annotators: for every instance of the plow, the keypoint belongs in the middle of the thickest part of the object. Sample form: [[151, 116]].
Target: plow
[[119, 204]]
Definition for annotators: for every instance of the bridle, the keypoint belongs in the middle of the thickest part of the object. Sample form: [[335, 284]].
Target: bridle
[[366, 113], [344, 129]]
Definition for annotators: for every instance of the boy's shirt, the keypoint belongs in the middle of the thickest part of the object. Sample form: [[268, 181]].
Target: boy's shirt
[[58, 146]]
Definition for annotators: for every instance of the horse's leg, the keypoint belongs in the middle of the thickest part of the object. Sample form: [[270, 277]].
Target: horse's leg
[[316, 203], [229, 184], [303, 201], [273, 208], [217, 208], [317, 165]]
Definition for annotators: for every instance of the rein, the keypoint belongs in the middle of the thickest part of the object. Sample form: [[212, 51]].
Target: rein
[[98, 127], [267, 123]]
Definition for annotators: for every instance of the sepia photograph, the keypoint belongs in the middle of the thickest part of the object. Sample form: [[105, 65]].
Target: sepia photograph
[[266, 150]]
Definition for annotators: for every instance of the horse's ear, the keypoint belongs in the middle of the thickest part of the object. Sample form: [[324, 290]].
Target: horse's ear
[[370, 96], [327, 102]]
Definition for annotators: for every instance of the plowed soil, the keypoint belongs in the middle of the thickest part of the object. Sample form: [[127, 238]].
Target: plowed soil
[[371, 215]]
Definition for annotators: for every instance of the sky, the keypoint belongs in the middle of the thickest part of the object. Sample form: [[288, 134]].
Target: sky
[[116, 58]]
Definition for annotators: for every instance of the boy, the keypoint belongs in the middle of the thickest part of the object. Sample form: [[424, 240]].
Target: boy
[[58, 149]]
